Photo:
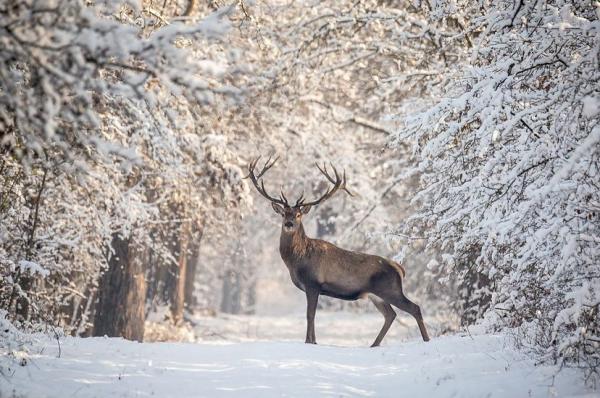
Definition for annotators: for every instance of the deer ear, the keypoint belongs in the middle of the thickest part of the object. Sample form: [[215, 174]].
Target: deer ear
[[278, 209], [305, 209]]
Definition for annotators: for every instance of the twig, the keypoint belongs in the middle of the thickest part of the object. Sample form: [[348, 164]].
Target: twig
[[157, 14], [57, 341], [469, 332]]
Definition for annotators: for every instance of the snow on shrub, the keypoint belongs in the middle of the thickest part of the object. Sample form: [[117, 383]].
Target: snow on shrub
[[13, 346], [32, 268], [509, 165]]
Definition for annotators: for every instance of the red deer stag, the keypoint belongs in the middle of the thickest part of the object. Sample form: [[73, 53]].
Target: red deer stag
[[318, 267]]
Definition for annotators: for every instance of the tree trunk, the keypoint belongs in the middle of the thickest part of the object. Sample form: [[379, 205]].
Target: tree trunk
[[250, 306], [192, 264], [22, 308], [121, 294], [180, 252], [172, 282], [231, 298], [25, 281]]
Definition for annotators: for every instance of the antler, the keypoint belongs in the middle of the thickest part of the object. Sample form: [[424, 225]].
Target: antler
[[261, 187], [338, 182]]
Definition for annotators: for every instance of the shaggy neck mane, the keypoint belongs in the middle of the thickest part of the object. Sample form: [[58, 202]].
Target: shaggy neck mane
[[294, 243]]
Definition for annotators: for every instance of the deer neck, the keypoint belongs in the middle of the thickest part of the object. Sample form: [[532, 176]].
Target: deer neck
[[293, 244]]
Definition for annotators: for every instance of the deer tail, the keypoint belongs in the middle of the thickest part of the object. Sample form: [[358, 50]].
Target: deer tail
[[399, 268]]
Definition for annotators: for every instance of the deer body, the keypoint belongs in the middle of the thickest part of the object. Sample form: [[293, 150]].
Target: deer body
[[339, 273], [318, 267]]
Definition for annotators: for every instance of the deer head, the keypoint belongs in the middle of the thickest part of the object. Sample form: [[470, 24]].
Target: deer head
[[292, 215]]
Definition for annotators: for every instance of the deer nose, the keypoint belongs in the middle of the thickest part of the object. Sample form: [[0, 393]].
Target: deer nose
[[289, 224]]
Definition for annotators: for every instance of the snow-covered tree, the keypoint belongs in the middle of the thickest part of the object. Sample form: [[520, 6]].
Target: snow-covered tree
[[509, 171], [102, 120]]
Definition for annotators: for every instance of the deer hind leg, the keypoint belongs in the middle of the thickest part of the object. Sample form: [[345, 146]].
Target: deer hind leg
[[388, 313], [408, 306]]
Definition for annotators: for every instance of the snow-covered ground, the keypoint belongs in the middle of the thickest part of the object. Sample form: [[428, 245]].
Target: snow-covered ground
[[269, 360]]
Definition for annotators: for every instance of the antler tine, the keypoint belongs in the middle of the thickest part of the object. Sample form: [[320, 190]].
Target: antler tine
[[344, 184], [260, 187], [267, 165], [325, 172], [338, 182], [300, 200], [251, 166], [283, 197], [337, 177]]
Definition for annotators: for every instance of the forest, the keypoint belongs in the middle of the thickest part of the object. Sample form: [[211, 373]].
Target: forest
[[467, 133]]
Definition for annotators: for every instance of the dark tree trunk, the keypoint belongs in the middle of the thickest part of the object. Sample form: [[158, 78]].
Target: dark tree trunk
[[26, 281], [163, 274], [192, 265], [178, 296], [22, 307], [179, 251], [231, 298], [121, 294], [232, 291], [161, 279], [172, 282], [250, 307]]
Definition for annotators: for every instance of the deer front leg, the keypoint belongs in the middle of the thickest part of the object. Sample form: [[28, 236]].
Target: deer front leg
[[312, 297]]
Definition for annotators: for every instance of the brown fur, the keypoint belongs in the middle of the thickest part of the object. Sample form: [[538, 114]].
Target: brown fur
[[399, 268]]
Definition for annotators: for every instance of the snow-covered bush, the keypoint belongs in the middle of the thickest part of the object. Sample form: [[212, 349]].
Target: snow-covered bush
[[509, 168]]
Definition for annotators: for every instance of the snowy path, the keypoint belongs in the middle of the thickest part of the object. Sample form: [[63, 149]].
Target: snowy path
[[450, 366]]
